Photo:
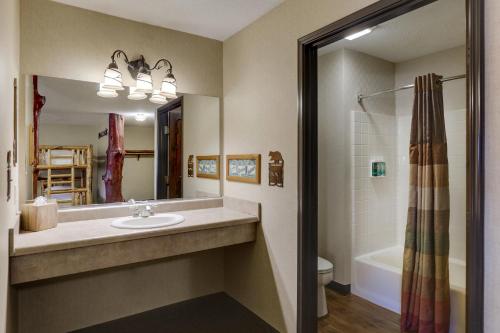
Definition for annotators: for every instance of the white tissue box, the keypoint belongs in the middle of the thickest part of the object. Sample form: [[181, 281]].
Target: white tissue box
[[37, 218]]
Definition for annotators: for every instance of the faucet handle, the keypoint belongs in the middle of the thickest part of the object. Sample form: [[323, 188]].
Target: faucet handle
[[150, 209]]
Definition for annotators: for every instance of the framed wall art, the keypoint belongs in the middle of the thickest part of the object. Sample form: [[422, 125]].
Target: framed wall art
[[243, 168], [208, 166]]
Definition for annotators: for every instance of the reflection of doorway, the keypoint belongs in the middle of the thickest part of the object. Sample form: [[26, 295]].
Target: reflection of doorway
[[169, 180]]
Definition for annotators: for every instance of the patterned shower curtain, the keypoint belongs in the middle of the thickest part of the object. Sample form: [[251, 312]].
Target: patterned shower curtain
[[425, 297]]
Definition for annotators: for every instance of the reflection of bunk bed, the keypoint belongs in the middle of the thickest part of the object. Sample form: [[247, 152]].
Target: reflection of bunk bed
[[64, 173]]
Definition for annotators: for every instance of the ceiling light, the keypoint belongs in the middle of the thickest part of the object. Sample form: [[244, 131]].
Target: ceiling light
[[359, 34], [106, 93], [140, 117], [157, 98], [136, 95]]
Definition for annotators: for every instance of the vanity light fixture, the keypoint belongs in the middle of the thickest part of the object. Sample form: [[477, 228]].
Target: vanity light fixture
[[141, 72], [359, 34]]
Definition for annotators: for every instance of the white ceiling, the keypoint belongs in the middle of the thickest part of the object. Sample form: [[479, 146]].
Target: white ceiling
[[73, 102], [433, 28], [217, 19]]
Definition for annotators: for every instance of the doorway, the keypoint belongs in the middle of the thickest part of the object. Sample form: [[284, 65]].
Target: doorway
[[366, 18], [169, 180]]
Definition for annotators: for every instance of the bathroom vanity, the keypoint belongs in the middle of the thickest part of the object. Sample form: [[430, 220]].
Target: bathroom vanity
[[85, 240]]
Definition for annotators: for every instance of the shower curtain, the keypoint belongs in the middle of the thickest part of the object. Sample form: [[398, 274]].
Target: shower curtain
[[425, 297]]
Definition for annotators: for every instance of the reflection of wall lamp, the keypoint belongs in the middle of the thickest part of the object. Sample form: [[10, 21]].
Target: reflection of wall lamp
[[140, 117], [141, 72], [103, 133]]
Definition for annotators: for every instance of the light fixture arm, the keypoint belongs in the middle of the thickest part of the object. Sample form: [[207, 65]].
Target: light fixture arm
[[117, 54], [162, 63], [140, 64]]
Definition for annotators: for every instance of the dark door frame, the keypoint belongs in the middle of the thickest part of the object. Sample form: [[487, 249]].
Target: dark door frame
[[162, 149], [308, 154]]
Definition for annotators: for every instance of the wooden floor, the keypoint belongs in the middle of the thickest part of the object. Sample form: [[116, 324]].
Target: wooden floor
[[352, 314]]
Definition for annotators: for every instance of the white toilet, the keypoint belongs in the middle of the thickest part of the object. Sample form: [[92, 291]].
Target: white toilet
[[325, 276]]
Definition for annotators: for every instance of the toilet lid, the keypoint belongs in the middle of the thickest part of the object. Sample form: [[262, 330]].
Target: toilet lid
[[324, 265]]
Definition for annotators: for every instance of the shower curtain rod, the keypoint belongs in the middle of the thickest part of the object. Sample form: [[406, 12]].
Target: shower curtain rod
[[408, 86]]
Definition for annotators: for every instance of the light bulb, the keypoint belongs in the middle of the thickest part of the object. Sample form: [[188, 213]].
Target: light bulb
[[157, 98], [106, 93], [136, 95], [169, 86], [112, 78], [144, 83]]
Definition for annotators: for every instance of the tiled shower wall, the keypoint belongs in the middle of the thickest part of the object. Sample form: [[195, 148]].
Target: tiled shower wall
[[374, 219], [373, 136]]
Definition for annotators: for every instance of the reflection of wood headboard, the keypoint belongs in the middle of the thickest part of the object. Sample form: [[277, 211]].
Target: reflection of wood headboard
[[64, 172]]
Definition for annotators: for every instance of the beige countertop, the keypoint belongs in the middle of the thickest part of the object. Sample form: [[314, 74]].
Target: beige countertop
[[70, 235]]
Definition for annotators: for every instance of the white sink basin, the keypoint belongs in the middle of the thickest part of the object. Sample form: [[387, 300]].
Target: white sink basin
[[156, 221]]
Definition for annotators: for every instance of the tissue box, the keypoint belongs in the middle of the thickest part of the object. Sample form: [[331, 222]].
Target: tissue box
[[37, 218]]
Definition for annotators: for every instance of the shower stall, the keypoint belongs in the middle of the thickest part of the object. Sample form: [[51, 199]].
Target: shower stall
[[365, 105]]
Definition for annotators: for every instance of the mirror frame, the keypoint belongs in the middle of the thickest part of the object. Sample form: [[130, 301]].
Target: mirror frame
[[308, 46]]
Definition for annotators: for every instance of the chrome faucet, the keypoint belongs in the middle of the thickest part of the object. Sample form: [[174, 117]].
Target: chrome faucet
[[141, 209], [144, 211]]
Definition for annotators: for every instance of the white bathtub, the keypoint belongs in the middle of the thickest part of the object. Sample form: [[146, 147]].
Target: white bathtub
[[377, 278]]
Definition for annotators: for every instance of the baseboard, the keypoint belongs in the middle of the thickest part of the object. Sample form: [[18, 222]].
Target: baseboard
[[343, 289]]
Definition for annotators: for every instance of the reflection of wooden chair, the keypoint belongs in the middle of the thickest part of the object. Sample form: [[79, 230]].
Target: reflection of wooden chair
[[276, 164]]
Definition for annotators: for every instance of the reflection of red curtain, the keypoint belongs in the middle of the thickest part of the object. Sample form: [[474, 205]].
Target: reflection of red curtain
[[115, 155], [38, 102], [425, 297]]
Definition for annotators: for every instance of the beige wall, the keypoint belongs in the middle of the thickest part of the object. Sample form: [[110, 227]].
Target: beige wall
[[201, 136], [138, 175], [73, 43], [9, 69], [334, 218], [260, 114], [492, 174]]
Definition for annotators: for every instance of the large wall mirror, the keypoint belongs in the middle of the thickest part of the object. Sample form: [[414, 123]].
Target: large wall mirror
[[84, 148]]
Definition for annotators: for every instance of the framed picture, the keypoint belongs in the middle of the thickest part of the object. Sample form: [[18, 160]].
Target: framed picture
[[208, 167], [243, 168]]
